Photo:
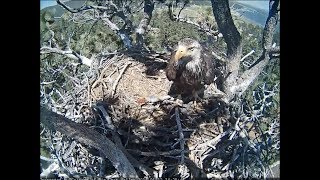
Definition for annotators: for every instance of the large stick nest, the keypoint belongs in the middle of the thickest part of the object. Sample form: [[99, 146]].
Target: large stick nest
[[141, 99], [134, 91]]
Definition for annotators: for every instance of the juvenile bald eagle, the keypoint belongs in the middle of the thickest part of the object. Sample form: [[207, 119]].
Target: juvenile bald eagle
[[190, 67]]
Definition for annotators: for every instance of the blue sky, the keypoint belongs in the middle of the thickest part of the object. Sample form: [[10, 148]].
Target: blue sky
[[46, 3], [262, 4]]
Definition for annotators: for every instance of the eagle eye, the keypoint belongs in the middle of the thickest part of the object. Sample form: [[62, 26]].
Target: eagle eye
[[191, 48]]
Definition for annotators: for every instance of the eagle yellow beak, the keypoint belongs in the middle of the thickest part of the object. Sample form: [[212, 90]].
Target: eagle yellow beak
[[181, 51]]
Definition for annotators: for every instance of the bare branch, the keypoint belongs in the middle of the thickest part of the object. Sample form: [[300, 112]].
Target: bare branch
[[84, 7], [142, 28], [231, 35], [244, 57], [155, 154], [183, 6], [72, 10], [268, 31], [84, 134], [173, 17], [52, 167], [146, 170], [212, 142], [46, 83], [124, 37], [181, 136], [208, 31], [69, 53], [48, 159], [218, 57], [106, 116], [118, 79], [256, 68]]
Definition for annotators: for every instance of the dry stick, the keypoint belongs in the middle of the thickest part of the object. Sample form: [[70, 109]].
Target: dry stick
[[118, 79], [89, 100], [181, 136], [69, 151], [84, 134], [93, 95], [212, 142], [69, 53], [46, 83], [156, 153], [218, 57], [214, 176], [235, 156], [145, 169], [101, 75], [48, 159], [244, 57], [106, 116]]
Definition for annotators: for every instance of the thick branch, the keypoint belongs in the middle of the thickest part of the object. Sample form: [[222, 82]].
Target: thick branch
[[146, 170], [269, 30], [142, 28], [173, 17], [83, 7], [231, 35], [84, 134], [123, 36], [208, 31], [250, 75], [183, 6], [271, 23], [72, 10]]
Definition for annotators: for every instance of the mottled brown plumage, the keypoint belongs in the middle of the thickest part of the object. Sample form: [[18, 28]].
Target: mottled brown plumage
[[190, 67]]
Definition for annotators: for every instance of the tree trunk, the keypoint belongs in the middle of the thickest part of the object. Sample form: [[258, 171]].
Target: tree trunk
[[143, 25], [235, 83], [231, 35], [253, 72], [123, 36], [222, 15]]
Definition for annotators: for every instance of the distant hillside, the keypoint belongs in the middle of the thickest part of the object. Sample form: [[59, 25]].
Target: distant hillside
[[255, 15], [57, 10], [251, 14]]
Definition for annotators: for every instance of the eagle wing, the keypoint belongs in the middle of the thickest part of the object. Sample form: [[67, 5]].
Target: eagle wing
[[208, 66], [183, 80], [213, 69]]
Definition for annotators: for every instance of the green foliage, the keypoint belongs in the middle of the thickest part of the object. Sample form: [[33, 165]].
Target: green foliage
[[270, 77], [46, 20], [167, 32], [87, 38]]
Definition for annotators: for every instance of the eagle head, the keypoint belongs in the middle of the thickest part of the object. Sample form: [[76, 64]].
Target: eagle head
[[187, 50]]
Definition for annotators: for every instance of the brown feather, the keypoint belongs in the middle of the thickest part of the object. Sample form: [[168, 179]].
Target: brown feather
[[190, 69]]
